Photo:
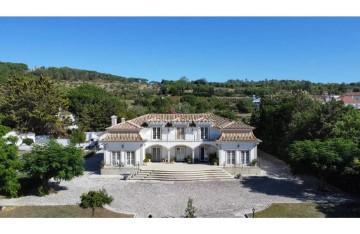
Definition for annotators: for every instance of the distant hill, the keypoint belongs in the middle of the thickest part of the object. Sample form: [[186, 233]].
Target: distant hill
[[61, 74]]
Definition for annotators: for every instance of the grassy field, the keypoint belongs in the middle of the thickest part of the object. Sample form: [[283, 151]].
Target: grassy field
[[57, 212], [310, 210]]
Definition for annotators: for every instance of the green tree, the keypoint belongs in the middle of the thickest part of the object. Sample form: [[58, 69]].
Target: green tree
[[9, 165], [32, 105], [94, 106], [95, 199], [322, 158], [77, 136], [53, 160], [245, 105], [190, 209]]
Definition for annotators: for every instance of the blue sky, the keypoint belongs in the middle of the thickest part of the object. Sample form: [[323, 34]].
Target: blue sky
[[254, 48]]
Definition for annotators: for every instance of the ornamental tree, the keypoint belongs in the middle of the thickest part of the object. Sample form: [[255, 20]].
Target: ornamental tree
[[53, 160], [95, 199]]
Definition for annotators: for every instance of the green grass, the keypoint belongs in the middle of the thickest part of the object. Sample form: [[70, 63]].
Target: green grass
[[310, 210], [70, 211]]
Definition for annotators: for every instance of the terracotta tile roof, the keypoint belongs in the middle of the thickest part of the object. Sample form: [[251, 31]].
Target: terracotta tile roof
[[236, 125], [123, 137], [216, 120], [238, 136], [349, 99], [352, 94], [128, 125]]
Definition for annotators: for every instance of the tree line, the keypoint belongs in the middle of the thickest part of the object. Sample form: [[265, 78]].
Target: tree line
[[322, 139]]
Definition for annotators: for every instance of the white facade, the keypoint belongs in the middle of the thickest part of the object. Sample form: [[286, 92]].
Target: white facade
[[176, 141]]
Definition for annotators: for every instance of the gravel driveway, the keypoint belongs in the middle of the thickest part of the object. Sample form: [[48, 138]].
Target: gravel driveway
[[169, 199]]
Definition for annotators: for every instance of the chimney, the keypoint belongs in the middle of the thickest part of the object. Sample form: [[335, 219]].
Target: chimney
[[113, 120], [122, 120]]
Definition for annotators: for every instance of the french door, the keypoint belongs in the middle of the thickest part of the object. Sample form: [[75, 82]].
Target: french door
[[230, 157], [156, 154], [204, 153], [130, 158], [180, 153]]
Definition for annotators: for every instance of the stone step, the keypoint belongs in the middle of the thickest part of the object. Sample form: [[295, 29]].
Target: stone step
[[200, 175]]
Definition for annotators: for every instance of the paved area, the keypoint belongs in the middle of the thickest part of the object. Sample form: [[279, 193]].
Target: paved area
[[169, 199]]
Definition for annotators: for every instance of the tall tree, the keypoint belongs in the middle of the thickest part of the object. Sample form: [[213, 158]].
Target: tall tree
[[53, 160], [32, 105], [77, 136], [94, 106]]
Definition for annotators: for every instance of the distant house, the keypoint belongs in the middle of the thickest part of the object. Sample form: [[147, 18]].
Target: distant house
[[256, 102], [69, 118], [351, 99]]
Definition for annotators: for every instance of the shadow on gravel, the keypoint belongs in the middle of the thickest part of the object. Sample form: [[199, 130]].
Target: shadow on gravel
[[92, 164], [29, 187], [340, 210], [280, 187]]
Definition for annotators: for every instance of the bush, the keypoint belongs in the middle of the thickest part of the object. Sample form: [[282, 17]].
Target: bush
[[28, 141], [146, 160], [253, 162]]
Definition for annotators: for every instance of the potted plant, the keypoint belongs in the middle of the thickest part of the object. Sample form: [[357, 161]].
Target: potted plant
[[172, 160], [146, 161], [189, 159], [148, 157], [253, 162]]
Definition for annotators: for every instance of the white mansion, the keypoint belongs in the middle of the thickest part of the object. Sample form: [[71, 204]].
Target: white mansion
[[168, 137]]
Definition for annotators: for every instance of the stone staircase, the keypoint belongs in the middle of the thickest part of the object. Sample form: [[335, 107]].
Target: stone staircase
[[198, 175]]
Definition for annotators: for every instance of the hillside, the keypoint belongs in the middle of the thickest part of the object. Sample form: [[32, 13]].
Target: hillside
[[60, 74]]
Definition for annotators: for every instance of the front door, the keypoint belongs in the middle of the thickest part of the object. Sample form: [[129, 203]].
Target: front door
[[156, 154], [180, 153], [204, 153]]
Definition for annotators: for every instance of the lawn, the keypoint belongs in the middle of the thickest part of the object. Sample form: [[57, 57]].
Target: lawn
[[70, 211], [310, 210]]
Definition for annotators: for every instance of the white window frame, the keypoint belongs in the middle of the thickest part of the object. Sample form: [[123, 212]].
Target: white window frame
[[245, 157], [180, 133], [205, 133], [230, 157], [115, 158], [130, 158], [156, 133]]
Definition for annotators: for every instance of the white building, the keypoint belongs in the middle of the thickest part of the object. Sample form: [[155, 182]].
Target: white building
[[177, 136]]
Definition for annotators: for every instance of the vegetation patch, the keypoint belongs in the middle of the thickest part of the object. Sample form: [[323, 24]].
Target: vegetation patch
[[69, 211], [310, 210]]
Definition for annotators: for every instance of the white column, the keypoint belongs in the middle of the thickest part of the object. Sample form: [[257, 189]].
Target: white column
[[193, 155], [255, 152], [137, 156], [122, 157], [237, 157], [105, 157], [142, 157], [168, 156], [221, 158]]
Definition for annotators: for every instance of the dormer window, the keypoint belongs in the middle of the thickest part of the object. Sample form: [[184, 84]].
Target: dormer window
[[204, 132], [157, 133]]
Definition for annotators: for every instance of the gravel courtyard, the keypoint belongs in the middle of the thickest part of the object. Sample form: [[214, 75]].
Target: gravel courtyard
[[169, 199]]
